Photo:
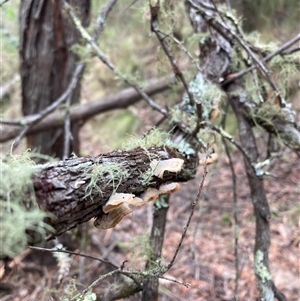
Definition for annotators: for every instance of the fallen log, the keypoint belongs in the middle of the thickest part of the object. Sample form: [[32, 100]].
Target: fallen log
[[75, 190]]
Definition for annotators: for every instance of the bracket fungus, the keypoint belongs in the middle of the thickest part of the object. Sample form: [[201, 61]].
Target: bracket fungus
[[118, 199], [171, 165], [168, 188], [112, 218], [118, 204], [116, 208], [150, 194]]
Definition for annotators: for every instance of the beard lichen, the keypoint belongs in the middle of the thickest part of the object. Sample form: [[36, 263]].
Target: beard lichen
[[19, 211], [104, 174], [154, 137]]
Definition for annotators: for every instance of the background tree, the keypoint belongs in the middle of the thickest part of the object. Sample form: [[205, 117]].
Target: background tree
[[47, 64]]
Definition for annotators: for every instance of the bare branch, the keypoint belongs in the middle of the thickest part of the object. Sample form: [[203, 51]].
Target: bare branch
[[108, 63], [225, 30], [34, 119], [190, 217], [73, 253], [119, 100], [7, 87], [155, 28], [98, 29]]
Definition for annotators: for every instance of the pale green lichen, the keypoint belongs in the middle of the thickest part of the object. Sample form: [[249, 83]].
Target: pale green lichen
[[145, 178], [206, 94], [109, 173], [161, 202], [155, 137], [18, 208], [260, 269]]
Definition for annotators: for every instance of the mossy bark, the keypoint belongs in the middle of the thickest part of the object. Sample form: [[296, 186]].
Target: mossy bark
[[64, 188]]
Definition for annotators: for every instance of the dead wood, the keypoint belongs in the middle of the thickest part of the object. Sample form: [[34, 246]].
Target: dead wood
[[65, 189], [119, 100]]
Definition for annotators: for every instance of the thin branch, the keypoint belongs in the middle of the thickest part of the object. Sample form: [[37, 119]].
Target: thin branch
[[3, 2], [74, 253], [102, 16], [235, 207], [108, 63], [119, 100], [236, 221], [171, 36], [8, 86], [280, 50], [226, 30], [155, 28], [30, 122], [67, 129], [196, 201], [231, 140]]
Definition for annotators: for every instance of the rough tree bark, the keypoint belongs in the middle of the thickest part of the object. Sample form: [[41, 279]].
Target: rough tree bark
[[47, 64], [215, 65], [63, 189]]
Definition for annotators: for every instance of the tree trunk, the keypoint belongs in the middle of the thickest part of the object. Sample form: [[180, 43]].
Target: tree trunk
[[75, 190], [47, 64]]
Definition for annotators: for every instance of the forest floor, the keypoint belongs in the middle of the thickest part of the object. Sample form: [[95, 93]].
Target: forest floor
[[206, 259]]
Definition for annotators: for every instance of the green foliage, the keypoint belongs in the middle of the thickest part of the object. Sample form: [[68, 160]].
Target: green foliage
[[106, 174], [18, 209]]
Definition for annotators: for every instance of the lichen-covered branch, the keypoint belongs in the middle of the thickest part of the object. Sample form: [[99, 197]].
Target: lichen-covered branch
[[76, 190], [217, 51]]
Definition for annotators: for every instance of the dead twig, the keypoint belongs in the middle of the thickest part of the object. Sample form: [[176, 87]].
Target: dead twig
[[161, 38], [119, 100], [108, 63], [102, 16], [34, 119], [74, 253], [195, 202]]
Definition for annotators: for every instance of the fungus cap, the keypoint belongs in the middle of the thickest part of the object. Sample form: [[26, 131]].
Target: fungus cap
[[150, 194], [171, 165], [113, 217], [169, 187]]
